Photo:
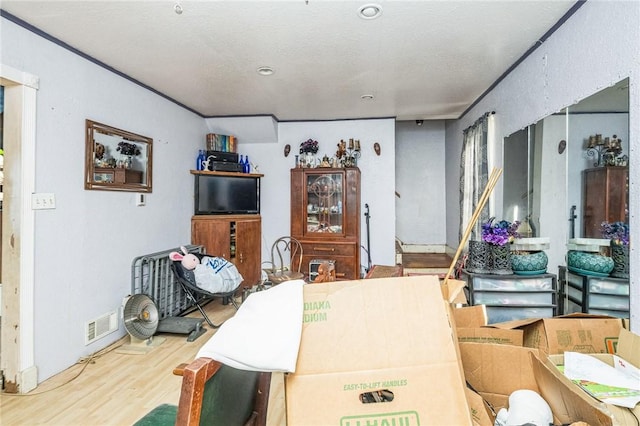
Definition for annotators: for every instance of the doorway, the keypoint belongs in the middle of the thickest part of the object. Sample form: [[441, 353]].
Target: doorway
[[17, 315]]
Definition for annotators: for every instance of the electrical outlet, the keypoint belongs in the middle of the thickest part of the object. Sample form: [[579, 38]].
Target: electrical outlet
[[43, 200]]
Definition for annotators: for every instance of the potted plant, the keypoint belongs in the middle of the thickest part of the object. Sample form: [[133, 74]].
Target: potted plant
[[308, 149], [493, 253], [129, 150], [528, 256], [618, 234]]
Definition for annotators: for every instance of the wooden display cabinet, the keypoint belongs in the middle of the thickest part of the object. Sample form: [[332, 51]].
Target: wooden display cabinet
[[325, 217], [236, 238], [605, 195]]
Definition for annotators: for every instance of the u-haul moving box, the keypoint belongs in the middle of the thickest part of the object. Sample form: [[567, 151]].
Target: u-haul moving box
[[376, 352], [522, 362], [575, 332], [498, 362], [570, 403]]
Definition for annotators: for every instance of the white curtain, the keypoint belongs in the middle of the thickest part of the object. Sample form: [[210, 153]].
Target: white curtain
[[474, 175]]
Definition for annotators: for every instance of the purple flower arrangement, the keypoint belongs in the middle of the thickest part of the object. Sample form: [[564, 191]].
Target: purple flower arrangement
[[617, 232], [309, 146], [500, 233]]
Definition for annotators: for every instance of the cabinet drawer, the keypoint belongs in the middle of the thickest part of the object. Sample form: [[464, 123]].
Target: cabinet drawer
[[605, 301], [616, 314], [510, 284], [604, 286], [497, 314], [328, 250], [513, 298]]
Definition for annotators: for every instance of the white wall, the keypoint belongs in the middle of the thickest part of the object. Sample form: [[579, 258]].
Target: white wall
[[420, 179], [84, 247], [572, 64], [377, 178]]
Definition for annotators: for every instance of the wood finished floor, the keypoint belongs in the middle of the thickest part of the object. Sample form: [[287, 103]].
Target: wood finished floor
[[425, 260], [117, 389]]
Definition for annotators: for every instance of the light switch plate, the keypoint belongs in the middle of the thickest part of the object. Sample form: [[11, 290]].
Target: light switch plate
[[43, 200], [140, 200]]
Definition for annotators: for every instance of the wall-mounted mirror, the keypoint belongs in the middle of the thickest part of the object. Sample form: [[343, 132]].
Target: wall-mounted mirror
[[116, 159], [598, 159], [535, 168], [568, 172]]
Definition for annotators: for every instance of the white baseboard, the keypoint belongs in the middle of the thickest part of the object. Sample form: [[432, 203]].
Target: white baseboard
[[28, 379], [425, 271], [423, 248]]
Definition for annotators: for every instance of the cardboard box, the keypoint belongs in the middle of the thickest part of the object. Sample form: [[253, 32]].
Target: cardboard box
[[570, 403], [481, 413], [470, 316], [490, 335], [373, 338], [576, 333], [471, 326], [495, 371]]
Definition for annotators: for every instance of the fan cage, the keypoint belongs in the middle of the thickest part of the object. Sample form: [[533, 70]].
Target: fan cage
[[140, 316]]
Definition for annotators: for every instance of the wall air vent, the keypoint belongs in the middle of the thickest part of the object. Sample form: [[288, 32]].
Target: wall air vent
[[100, 327]]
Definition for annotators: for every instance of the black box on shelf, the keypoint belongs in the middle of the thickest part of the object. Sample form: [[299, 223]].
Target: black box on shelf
[[222, 157], [221, 166]]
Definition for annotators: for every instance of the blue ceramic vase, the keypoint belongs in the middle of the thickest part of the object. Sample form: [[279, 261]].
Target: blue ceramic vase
[[586, 263], [531, 263]]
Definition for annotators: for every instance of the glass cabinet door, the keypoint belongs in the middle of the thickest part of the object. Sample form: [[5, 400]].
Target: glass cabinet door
[[325, 200]]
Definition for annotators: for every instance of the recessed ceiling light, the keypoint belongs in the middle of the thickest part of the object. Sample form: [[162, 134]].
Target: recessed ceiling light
[[366, 97], [370, 11], [265, 71]]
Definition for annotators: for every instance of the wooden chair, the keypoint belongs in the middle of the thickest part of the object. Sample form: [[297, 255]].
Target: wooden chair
[[279, 271], [215, 394]]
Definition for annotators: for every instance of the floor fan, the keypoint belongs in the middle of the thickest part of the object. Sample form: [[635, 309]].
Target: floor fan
[[140, 316]]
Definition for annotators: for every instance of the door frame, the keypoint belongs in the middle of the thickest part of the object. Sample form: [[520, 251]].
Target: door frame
[[17, 355]]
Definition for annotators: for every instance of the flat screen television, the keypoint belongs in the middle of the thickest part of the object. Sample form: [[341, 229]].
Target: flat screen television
[[222, 194]]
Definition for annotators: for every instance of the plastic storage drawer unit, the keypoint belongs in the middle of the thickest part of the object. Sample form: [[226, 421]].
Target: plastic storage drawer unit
[[511, 297], [597, 295]]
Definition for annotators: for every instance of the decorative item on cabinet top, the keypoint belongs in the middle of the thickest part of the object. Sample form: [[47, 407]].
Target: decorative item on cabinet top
[[221, 143], [347, 154], [606, 151]]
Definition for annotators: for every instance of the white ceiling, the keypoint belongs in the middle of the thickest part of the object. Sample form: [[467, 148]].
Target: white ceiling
[[420, 59]]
